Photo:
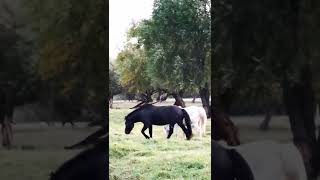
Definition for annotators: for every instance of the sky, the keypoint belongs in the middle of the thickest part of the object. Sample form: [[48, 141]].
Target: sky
[[121, 15]]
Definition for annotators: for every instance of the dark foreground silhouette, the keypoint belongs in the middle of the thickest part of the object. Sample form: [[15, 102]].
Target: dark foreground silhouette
[[91, 164], [228, 164]]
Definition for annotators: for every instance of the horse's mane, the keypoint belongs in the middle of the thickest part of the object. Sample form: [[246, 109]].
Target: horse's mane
[[92, 139], [139, 108]]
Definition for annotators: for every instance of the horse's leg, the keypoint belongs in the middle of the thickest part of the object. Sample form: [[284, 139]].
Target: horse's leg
[[176, 130], [150, 131], [166, 129], [170, 131], [186, 132], [142, 131], [199, 128]]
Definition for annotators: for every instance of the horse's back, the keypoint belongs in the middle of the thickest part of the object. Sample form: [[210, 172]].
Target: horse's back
[[162, 115], [255, 153], [272, 160], [198, 116], [195, 112], [293, 162]]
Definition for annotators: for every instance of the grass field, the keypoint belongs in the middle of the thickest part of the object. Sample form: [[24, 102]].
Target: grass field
[[134, 157], [38, 150], [249, 131]]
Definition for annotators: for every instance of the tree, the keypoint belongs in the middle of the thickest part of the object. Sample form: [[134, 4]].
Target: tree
[[71, 41], [131, 66], [285, 43], [18, 79], [114, 84], [177, 43]]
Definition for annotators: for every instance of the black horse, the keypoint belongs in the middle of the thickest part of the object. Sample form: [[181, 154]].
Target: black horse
[[150, 115], [96, 137], [89, 164], [228, 164]]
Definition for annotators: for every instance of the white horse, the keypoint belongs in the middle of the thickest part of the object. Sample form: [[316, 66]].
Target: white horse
[[198, 118], [270, 160]]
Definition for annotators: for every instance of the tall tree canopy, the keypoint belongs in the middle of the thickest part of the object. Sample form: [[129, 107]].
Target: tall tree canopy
[[71, 38], [176, 44]]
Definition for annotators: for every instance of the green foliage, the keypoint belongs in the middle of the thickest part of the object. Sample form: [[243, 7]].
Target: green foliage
[[131, 65], [177, 43], [71, 38], [252, 49], [114, 84], [17, 67]]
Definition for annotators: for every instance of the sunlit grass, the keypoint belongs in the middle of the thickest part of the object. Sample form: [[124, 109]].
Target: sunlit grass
[[134, 157]]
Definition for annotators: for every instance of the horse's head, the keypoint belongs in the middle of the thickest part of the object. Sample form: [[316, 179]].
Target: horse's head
[[224, 129], [129, 125]]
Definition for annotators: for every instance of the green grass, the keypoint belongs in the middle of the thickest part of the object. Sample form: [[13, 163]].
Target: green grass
[[38, 150], [134, 157], [248, 129]]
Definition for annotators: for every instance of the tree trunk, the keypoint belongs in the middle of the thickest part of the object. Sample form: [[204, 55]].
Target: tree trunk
[[178, 99], [205, 99], [300, 105], [265, 123], [8, 109], [194, 98], [111, 102], [148, 95], [7, 133]]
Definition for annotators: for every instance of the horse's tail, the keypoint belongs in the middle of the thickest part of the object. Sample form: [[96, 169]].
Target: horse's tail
[[241, 168], [188, 123]]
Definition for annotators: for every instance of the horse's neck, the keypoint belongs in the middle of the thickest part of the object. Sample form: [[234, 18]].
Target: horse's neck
[[133, 120], [136, 118]]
